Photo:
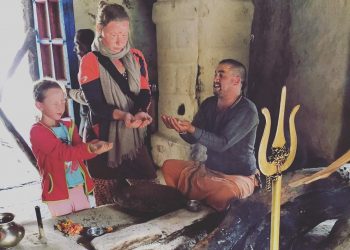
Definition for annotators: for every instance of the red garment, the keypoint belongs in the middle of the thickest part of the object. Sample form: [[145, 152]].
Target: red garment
[[51, 154], [91, 72]]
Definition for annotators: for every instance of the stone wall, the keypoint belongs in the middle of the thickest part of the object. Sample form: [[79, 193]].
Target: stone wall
[[192, 37], [305, 45]]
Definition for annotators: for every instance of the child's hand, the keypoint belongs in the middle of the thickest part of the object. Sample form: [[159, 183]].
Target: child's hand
[[99, 147]]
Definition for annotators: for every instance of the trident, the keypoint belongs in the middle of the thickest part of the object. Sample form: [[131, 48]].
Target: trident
[[279, 161]]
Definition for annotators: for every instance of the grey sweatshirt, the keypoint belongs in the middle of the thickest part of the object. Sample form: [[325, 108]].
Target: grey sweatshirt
[[229, 136]]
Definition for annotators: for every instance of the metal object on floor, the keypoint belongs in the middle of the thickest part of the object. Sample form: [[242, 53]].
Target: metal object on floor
[[11, 233], [95, 231], [193, 205], [39, 220]]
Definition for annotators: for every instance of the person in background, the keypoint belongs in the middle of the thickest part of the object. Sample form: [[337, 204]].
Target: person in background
[[82, 45], [59, 152], [114, 79], [226, 125]]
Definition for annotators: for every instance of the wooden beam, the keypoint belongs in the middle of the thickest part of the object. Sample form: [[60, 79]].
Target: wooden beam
[[19, 139], [30, 37], [324, 173]]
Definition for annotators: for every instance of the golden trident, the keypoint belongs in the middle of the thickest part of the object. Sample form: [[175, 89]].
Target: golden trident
[[279, 161]]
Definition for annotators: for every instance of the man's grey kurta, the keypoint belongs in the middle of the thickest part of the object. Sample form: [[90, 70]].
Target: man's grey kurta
[[229, 136]]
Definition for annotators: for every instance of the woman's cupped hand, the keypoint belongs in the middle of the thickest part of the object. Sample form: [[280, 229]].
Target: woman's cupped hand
[[139, 120]]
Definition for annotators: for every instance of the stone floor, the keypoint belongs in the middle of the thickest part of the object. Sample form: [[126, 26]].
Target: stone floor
[[20, 188]]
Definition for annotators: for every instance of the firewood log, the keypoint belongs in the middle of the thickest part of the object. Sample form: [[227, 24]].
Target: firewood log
[[247, 223]]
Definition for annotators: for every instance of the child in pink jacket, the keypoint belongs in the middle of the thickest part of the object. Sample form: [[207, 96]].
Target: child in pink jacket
[[60, 152]]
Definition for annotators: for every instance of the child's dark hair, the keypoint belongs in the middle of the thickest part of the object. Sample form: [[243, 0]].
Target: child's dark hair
[[41, 86]]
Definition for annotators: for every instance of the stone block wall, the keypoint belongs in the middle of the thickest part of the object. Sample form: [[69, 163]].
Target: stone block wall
[[305, 46]]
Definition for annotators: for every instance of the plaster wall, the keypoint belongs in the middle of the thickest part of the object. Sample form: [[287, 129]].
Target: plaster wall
[[192, 37], [319, 75], [305, 45]]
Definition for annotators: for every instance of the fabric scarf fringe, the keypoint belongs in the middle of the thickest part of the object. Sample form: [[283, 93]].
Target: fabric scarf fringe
[[127, 141]]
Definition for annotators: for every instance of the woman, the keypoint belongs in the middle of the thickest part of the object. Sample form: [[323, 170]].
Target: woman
[[114, 79]]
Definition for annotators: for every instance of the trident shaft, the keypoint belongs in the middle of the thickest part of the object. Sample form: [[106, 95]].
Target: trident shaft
[[280, 160]]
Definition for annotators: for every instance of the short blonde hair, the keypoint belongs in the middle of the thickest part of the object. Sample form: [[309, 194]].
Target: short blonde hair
[[42, 86]]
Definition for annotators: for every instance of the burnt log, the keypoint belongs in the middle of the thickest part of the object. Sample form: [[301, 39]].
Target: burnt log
[[300, 216], [247, 222], [339, 237], [149, 200]]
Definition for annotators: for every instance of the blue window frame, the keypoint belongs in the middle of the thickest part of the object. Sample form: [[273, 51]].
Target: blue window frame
[[54, 25]]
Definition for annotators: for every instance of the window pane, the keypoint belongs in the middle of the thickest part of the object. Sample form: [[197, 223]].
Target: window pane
[[54, 15], [42, 20], [46, 60], [59, 62]]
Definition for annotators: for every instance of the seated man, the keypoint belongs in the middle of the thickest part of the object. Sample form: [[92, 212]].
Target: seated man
[[226, 124]]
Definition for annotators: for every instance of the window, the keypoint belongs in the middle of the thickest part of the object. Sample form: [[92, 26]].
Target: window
[[54, 25]]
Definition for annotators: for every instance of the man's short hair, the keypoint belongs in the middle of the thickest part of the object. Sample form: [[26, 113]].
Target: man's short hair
[[237, 65]]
